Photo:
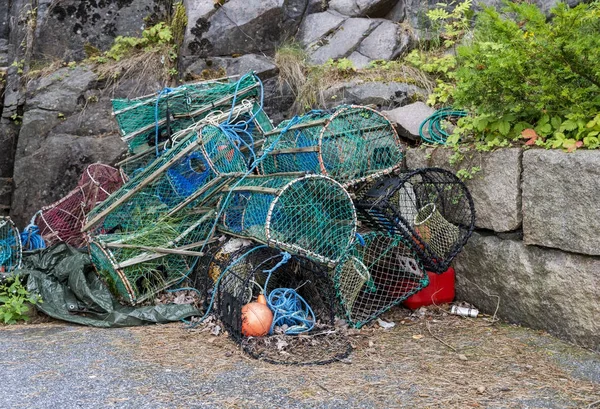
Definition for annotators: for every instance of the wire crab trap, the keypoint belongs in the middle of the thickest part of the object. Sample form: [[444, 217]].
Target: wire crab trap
[[63, 220], [253, 269], [186, 176], [350, 144], [311, 215], [376, 276], [10, 246], [145, 119], [138, 265], [431, 207], [246, 118]]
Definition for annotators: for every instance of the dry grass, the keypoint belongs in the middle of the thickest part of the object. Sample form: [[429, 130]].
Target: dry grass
[[308, 82], [143, 66], [476, 365]]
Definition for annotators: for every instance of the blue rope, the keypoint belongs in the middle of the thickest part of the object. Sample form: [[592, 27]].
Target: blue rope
[[288, 307], [360, 239], [31, 239]]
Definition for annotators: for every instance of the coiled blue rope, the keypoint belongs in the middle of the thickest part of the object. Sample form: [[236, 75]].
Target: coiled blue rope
[[288, 307], [31, 239], [433, 124]]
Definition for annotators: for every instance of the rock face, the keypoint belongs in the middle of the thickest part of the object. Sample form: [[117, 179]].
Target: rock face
[[561, 200], [237, 27], [496, 188], [330, 35], [362, 8], [64, 27], [384, 95], [66, 126], [263, 66], [408, 119], [540, 288]]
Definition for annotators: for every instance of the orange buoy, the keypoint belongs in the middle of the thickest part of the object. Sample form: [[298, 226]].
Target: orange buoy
[[256, 318]]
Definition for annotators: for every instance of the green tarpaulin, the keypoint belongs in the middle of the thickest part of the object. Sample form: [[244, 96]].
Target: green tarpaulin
[[71, 291]]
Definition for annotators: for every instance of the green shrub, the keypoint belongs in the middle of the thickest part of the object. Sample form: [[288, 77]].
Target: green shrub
[[15, 301], [525, 76]]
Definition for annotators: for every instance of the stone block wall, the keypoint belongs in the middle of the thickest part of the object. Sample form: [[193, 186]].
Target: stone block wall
[[537, 245]]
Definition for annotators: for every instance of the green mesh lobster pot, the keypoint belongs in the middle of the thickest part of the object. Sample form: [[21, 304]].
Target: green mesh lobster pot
[[247, 112], [429, 207], [310, 215], [176, 109], [10, 246], [186, 176], [350, 145], [138, 265], [376, 276]]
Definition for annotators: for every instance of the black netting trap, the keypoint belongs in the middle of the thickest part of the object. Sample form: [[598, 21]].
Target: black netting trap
[[186, 176], [147, 120], [376, 275], [137, 265], [311, 215], [245, 270], [10, 246], [430, 207], [349, 144]]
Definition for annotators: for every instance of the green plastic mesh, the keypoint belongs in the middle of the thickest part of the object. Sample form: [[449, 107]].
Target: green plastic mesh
[[136, 266], [186, 176], [177, 109], [10, 246], [244, 110], [310, 215], [374, 277], [350, 145]]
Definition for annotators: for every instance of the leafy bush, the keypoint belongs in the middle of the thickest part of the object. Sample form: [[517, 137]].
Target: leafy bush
[[157, 35], [15, 301], [525, 76]]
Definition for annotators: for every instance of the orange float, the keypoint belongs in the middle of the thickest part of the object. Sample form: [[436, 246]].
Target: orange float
[[256, 318]]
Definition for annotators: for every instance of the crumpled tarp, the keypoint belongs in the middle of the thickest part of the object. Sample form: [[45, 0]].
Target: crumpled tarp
[[71, 291]]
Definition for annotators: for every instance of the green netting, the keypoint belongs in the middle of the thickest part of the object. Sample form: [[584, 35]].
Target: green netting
[[187, 175], [176, 109], [138, 265], [310, 215], [350, 145], [254, 123], [10, 246], [376, 276]]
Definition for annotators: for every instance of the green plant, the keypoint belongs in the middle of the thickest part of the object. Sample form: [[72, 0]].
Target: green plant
[[451, 25], [526, 78], [16, 118], [15, 301]]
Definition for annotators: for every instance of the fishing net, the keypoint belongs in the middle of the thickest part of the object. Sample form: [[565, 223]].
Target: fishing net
[[137, 265], [246, 118], [430, 207], [310, 215], [144, 121], [63, 220], [376, 276], [246, 270], [350, 144], [10, 246], [186, 176]]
